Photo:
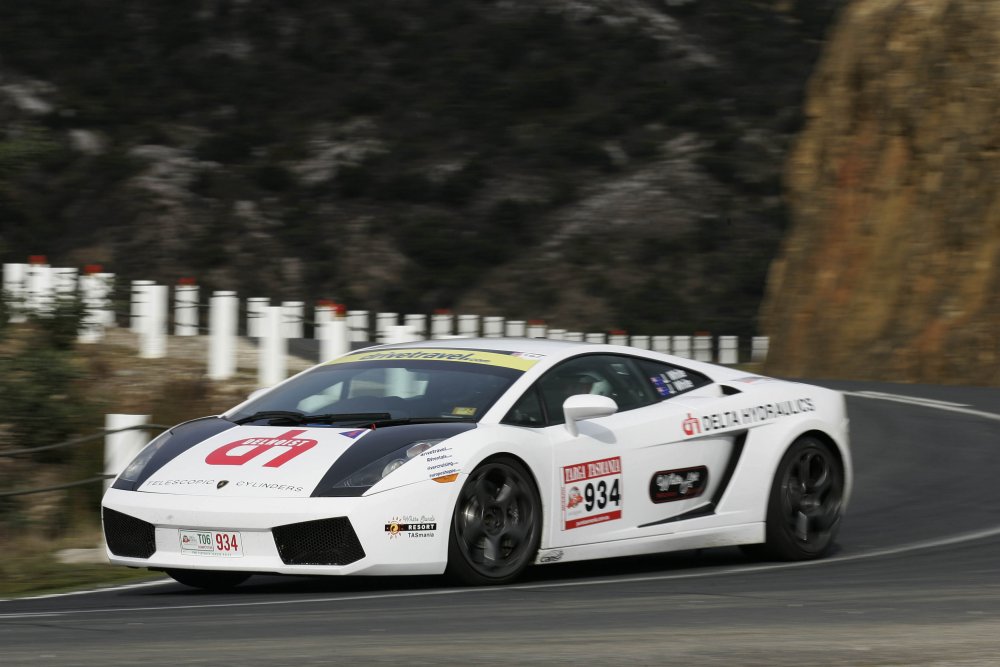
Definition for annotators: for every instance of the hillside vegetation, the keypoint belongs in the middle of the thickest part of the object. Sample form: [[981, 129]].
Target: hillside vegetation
[[597, 163]]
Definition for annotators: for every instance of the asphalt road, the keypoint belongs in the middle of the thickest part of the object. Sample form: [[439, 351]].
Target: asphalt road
[[915, 581]]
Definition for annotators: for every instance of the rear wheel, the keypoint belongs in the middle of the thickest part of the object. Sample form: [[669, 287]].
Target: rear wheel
[[496, 527], [209, 579], [804, 507]]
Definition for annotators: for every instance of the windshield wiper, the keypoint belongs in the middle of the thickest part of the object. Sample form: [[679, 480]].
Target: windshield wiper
[[398, 421], [272, 415], [292, 417], [329, 418]]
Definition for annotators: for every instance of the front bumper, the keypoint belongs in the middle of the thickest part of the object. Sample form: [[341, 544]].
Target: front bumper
[[400, 531]]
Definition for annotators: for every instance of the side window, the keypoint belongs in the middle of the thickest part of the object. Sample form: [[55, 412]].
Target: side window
[[668, 380], [607, 375], [527, 411]]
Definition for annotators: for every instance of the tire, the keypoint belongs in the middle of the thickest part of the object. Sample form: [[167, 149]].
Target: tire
[[211, 580], [805, 504], [496, 526]]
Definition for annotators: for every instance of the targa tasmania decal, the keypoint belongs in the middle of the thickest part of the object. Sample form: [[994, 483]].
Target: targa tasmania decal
[[591, 493]]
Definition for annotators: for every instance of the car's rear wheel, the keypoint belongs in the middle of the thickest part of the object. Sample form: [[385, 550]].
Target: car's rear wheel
[[497, 524], [211, 580], [805, 503]]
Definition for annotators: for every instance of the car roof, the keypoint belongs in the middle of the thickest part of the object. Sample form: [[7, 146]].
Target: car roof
[[529, 345]]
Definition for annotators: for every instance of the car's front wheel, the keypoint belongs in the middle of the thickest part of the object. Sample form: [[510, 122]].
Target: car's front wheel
[[211, 580], [497, 524], [805, 503]]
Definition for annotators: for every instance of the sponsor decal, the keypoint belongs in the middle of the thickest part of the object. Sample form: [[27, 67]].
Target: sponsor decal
[[441, 464], [463, 412], [551, 556], [746, 416], [285, 447], [669, 485], [672, 382], [180, 482], [222, 483], [750, 379], [591, 493], [691, 425], [356, 433], [269, 486], [411, 526], [506, 360]]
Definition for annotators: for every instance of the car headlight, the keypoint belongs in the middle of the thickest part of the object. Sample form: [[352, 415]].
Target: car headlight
[[133, 471], [375, 471]]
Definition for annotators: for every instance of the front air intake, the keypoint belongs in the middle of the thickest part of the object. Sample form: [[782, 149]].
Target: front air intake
[[127, 536], [321, 542]]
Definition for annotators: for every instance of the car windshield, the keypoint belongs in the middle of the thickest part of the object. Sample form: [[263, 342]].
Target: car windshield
[[356, 391]]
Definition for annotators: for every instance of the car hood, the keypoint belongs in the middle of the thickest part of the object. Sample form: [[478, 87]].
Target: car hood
[[280, 461]]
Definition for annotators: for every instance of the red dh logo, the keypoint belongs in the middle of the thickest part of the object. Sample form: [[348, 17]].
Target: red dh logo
[[289, 442], [691, 425]]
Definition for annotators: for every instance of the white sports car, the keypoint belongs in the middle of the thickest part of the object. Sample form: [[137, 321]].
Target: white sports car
[[480, 457]]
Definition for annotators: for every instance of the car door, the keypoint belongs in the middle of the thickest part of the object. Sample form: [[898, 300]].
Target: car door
[[624, 475]]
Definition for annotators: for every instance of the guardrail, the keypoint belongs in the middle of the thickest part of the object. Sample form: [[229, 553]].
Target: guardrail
[[124, 436], [35, 287]]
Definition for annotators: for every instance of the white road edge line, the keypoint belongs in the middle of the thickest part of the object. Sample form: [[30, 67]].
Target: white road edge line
[[102, 589], [911, 400], [916, 399], [749, 569]]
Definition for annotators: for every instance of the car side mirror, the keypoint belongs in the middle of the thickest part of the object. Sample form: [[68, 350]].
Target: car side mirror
[[586, 406]]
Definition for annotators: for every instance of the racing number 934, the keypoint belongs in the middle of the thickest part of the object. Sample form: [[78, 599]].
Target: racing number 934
[[591, 493]]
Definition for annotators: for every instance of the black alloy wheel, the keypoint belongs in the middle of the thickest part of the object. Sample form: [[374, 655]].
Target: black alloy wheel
[[806, 501], [497, 523]]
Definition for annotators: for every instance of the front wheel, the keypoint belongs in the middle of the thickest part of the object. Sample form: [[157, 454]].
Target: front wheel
[[211, 580], [805, 503], [497, 523]]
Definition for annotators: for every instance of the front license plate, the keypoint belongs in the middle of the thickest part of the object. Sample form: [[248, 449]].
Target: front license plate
[[211, 543]]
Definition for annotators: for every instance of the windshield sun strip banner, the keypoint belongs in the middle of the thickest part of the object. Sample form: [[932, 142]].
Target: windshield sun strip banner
[[516, 360]]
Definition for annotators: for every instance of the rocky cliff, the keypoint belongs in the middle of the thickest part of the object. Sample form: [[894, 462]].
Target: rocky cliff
[[891, 269]]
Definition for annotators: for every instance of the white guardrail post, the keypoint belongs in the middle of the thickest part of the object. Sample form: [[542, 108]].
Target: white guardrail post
[[536, 329], [222, 314], [758, 352], [441, 323], [138, 304], [255, 315], [418, 323], [492, 326], [357, 326], [517, 328], [95, 287], [121, 448], [273, 350], [293, 319], [468, 326], [383, 321], [15, 278], [682, 346], [617, 337], [729, 350], [39, 281], [334, 338], [703, 347], [186, 308], [153, 332]]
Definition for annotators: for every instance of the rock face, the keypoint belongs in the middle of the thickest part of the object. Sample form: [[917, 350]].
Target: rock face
[[892, 267]]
